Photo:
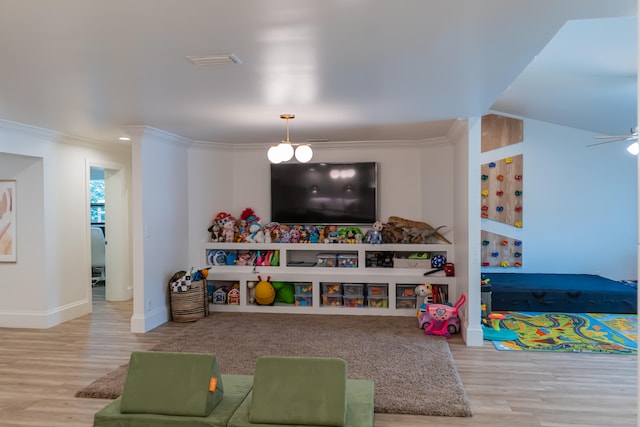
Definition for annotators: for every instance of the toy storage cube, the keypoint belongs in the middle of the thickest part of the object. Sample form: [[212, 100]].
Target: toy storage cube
[[302, 288], [331, 288], [353, 289], [334, 300], [405, 302], [376, 290], [348, 260], [353, 301], [326, 260], [378, 302], [303, 300]]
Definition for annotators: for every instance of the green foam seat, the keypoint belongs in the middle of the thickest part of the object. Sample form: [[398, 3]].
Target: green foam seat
[[237, 387], [360, 394], [299, 390], [166, 383]]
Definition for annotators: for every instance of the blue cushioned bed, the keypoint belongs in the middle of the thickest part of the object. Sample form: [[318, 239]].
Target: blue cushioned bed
[[568, 293]]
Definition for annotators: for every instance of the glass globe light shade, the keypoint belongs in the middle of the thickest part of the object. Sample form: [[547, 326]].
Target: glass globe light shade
[[285, 151], [634, 148], [304, 153], [273, 154]]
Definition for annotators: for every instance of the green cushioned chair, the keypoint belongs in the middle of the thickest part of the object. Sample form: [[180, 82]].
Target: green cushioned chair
[[167, 383], [236, 388], [299, 391]]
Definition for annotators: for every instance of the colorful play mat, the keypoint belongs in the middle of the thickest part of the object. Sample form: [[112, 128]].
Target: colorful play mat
[[571, 332]]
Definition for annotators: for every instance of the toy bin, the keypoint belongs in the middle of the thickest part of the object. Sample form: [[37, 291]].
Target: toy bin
[[353, 301], [348, 260], [326, 260], [331, 288], [333, 300], [405, 290], [353, 289], [405, 302], [302, 288], [376, 290], [303, 300], [378, 302]]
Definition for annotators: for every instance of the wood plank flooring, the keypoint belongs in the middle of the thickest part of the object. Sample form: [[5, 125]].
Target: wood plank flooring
[[40, 371]]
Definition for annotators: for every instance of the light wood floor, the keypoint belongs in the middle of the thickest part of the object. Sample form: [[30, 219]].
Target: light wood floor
[[40, 370]]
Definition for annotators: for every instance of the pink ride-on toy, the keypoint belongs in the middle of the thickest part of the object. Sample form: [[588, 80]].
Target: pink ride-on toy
[[442, 319]]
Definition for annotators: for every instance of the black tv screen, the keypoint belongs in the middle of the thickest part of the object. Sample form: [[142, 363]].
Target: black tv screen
[[324, 193]]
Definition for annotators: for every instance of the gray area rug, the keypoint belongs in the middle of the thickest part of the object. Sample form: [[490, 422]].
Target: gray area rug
[[412, 373]]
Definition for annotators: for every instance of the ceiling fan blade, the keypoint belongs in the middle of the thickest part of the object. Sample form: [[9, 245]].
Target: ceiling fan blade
[[613, 140], [612, 136]]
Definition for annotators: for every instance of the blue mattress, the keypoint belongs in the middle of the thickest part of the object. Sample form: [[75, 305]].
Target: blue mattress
[[565, 293]]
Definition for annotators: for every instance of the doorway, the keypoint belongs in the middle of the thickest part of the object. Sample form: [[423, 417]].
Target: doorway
[[108, 207], [97, 213]]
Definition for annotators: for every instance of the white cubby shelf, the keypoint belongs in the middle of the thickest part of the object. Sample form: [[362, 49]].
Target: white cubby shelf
[[296, 265]]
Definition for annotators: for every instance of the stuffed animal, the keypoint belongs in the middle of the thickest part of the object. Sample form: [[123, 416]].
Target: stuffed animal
[[374, 236], [424, 291], [265, 294], [229, 228], [215, 232]]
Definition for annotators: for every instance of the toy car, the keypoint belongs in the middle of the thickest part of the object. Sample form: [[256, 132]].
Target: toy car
[[453, 325]]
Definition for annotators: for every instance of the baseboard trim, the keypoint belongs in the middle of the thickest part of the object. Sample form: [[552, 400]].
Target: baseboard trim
[[141, 323], [32, 319]]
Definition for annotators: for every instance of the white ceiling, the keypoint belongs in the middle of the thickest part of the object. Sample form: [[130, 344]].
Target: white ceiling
[[350, 70]]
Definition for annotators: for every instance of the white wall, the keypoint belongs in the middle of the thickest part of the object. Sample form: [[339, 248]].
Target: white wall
[[580, 204], [50, 282], [160, 222], [414, 182]]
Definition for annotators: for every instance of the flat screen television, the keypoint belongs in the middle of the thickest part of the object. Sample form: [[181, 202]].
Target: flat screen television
[[324, 193]]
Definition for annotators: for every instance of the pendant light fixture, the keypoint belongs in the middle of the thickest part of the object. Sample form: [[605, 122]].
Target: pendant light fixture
[[285, 151]]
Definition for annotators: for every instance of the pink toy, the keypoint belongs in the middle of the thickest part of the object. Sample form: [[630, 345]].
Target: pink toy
[[442, 319]]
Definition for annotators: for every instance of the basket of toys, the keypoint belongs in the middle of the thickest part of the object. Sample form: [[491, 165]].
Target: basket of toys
[[188, 298]]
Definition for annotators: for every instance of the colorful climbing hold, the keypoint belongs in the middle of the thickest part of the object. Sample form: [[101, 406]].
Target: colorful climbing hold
[[508, 160], [499, 193], [485, 193], [485, 243], [499, 208], [518, 224], [500, 177], [504, 264], [518, 177], [492, 165], [484, 177], [518, 209], [495, 254], [518, 193]]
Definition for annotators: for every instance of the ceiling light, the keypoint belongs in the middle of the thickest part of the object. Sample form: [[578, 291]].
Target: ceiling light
[[634, 148], [284, 151], [124, 138], [219, 59]]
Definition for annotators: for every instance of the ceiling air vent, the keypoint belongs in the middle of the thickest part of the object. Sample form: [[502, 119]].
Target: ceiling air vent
[[209, 60]]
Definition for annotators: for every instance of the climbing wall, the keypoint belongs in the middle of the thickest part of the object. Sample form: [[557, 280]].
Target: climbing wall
[[500, 251], [502, 191]]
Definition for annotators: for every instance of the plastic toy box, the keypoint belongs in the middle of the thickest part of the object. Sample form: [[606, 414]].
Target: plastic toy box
[[326, 260], [353, 289], [302, 288], [332, 300], [348, 260], [378, 302], [353, 301], [376, 290], [303, 300], [331, 288], [405, 302], [406, 290]]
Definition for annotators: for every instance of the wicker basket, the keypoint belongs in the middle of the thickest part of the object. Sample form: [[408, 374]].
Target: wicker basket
[[190, 305]]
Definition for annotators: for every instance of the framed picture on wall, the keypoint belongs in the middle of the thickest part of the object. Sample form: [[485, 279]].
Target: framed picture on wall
[[8, 227]]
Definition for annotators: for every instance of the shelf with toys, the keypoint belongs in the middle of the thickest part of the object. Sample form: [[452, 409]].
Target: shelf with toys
[[326, 278]]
